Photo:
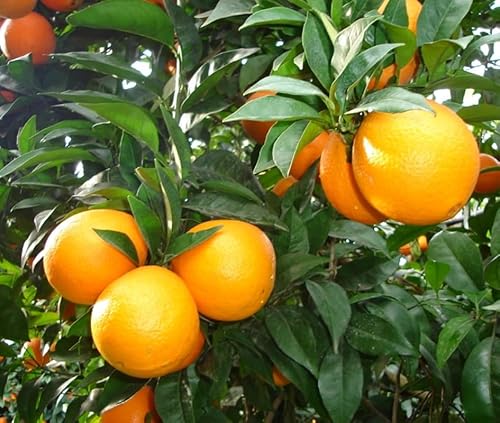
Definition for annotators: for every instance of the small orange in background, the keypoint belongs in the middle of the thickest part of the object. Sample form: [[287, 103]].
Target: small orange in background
[[136, 409], [283, 185], [62, 5], [8, 95], [158, 2], [341, 190], [488, 183], [422, 243], [308, 155], [279, 378], [255, 129], [14, 9], [30, 34], [3, 420], [171, 66], [231, 274], [37, 358]]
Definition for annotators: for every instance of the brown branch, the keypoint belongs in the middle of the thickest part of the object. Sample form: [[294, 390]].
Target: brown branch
[[276, 405]]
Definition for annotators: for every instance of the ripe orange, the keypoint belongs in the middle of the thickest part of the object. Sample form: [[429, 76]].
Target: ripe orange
[[79, 264], [231, 274], [3, 420], [37, 358], [62, 5], [145, 323], [488, 183], [8, 96], [308, 155], [194, 353], [416, 167], [170, 66], [283, 185], [408, 71], [30, 34], [422, 243], [339, 185], [255, 129], [14, 9], [279, 378], [134, 410]]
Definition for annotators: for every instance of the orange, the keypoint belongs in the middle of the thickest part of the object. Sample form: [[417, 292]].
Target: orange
[[79, 264], [283, 185], [308, 155], [2, 358], [488, 183], [194, 353], [62, 5], [279, 378], [339, 185], [255, 129], [408, 71], [158, 2], [145, 324], [14, 9], [170, 66], [422, 243], [30, 34], [133, 410], [8, 96], [231, 274], [416, 167], [3, 420], [34, 350]]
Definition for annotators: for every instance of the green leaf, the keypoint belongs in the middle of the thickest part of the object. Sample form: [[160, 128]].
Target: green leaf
[[274, 108], [254, 69], [334, 308], [464, 80], [450, 337], [477, 44], [296, 239], [373, 335], [349, 42], [493, 307], [274, 16], [56, 387], [290, 328], [173, 399], [357, 68], [361, 234], [318, 49], [366, 272], [401, 34], [188, 240], [285, 147], [232, 188], [132, 16], [28, 398], [436, 53], [294, 266], [492, 273], [392, 100], [24, 137], [221, 205], [436, 273], [120, 241], [396, 12], [118, 388], [211, 72], [46, 155], [479, 113], [285, 85], [480, 382], [462, 255], [13, 323], [171, 202], [495, 235], [109, 65], [229, 8], [149, 224], [340, 384], [265, 159], [404, 234], [439, 19]]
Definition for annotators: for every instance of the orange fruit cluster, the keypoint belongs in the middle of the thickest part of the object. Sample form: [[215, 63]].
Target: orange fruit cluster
[[145, 318]]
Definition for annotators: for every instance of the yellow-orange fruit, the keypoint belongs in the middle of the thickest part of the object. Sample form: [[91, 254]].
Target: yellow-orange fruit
[[145, 323], [231, 274], [136, 409], [488, 183], [255, 129], [30, 34], [194, 353], [422, 243], [308, 155], [79, 264], [14, 9], [283, 185], [416, 167], [339, 185], [279, 378]]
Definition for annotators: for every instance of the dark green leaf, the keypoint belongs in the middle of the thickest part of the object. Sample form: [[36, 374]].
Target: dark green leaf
[[285, 147], [392, 100], [466, 80], [274, 16], [450, 337], [25, 134], [476, 44], [136, 17], [361, 234], [173, 399], [292, 267], [228, 8], [187, 241], [340, 384], [405, 234], [334, 308], [13, 323], [232, 188], [495, 235], [285, 85], [120, 241], [492, 273], [53, 390], [366, 272], [149, 224], [436, 53], [171, 201], [118, 388], [480, 382], [295, 240], [436, 273], [462, 255], [28, 398], [479, 113]]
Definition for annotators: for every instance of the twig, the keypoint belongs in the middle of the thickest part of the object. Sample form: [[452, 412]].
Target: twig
[[395, 402], [276, 405]]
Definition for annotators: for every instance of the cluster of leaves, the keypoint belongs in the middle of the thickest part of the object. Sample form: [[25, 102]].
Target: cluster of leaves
[[362, 333]]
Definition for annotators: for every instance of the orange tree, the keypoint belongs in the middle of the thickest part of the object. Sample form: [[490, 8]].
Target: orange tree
[[139, 110]]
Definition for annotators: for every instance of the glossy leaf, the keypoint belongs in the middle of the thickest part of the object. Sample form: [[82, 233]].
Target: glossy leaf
[[13, 323], [286, 145], [24, 136], [294, 266], [492, 273], [173, 400], [361, 234], [366, 272], [120, 241], [479, 113], [285, 85], [229, 8], [189, 240], [171, 202], [149, 224], [436, 273], [118, 388], [450, 337], [436, 53], [274, 16]]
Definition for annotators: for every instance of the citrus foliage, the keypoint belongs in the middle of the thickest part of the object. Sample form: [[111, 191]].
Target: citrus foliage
[[140, 110]]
